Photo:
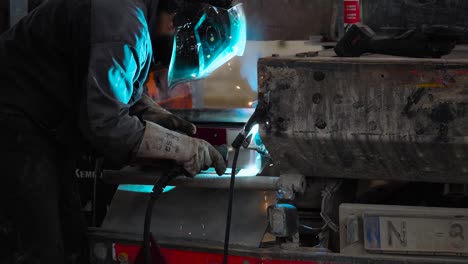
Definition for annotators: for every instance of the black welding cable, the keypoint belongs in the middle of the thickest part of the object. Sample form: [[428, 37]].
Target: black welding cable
[[154, 195], [229, 214], [146, 230], [157, 190], [237, 144]]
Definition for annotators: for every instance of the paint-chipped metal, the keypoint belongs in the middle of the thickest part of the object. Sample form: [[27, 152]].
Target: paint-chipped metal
[[381, 118]]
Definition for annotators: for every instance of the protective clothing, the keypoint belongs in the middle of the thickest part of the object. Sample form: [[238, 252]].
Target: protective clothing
[[192, 154], [40, 209], [206, 37], [77, 67], [148, 110], [70, 72]]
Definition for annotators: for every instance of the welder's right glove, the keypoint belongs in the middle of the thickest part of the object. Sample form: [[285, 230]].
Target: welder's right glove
[[192, 154]]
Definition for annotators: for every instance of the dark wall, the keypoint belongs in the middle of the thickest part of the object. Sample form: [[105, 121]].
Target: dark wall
[[388, 16], [4, 15], [33, 4], [289, 19], [299, 19], [267, 19], [5, 12]]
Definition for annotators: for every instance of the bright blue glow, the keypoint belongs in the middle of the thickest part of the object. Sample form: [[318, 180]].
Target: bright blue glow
[[168, 189], [212, 171], [121, 76], [254, 131], [289, 206], [170, 74], [233, 45], [142, 188], [250, 171], [125, 72], [236, 45], [201, 56], [249, 65], [256, 140]]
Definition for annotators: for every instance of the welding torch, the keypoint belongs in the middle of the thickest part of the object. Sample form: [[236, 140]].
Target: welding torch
[[257, 116], [242, 140]]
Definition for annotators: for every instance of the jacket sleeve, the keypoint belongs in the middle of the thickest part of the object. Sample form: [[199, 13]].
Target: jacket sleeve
[[111, 86]]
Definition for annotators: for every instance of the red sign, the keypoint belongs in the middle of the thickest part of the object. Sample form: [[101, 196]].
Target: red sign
[[351, 12]]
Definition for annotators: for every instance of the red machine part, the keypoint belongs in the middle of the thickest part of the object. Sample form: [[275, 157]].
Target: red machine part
[[129, 253], [215, 136]]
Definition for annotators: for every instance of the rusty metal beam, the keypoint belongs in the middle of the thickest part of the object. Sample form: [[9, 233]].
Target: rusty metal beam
[[367, 118]]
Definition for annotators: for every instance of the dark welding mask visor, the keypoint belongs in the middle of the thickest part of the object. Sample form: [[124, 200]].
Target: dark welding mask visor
[[204, 40]]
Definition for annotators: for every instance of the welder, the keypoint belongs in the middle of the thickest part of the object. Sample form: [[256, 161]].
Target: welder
[[71, 78]]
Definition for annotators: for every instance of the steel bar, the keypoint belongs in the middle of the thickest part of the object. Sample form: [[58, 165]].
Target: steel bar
[[132, 175]]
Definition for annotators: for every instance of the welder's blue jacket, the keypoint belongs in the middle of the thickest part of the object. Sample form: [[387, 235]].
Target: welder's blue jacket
[[76, 67]]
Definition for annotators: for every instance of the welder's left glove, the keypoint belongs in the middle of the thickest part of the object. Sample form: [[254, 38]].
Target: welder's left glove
[[149, 110], [192, 154]]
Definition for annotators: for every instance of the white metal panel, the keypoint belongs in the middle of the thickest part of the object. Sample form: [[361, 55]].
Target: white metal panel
[[365, 229], [415, 234]]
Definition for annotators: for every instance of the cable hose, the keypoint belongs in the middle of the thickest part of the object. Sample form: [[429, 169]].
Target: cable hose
[[229, 214], [157, 191], [146, 232]]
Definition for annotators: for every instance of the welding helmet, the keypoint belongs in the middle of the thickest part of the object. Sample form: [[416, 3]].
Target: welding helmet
[[205, 38]]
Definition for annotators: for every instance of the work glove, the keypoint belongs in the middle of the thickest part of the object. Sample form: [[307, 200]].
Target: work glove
[[149, 110], [192, 154]]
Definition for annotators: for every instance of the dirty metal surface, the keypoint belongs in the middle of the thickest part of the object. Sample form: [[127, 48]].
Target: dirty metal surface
[[197, 216], [380, 118]]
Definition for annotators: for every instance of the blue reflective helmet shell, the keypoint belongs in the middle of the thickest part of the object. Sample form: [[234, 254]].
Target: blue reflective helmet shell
[[204, 40]]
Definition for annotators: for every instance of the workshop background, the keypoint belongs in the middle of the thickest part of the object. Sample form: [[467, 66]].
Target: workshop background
[[296, 28], [300, 27], [233, 85]]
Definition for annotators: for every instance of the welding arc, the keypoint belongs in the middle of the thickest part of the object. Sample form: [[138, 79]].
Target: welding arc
[[229, 214]]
